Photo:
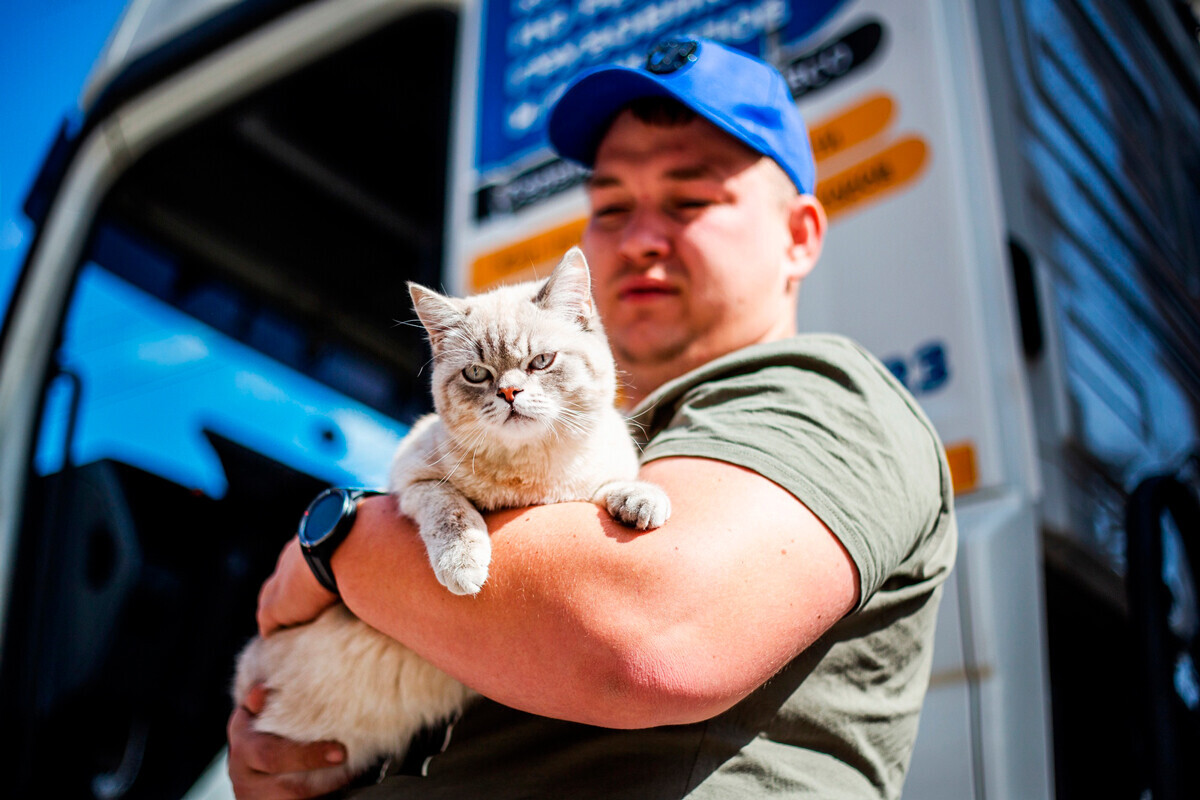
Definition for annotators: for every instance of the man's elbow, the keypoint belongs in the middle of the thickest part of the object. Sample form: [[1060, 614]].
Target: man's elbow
[[642, 690]]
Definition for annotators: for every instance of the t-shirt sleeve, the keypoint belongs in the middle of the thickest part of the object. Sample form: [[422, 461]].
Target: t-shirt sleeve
[[842, 437]]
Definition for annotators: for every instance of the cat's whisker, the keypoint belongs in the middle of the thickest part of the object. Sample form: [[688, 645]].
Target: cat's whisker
[[472, 449], [632, 423], [572, 421], [548, 424], [575, 420], [450, 472], [469, 449], [408, 323], [475, 448], [450, 451], [421, 369], [483, 435]]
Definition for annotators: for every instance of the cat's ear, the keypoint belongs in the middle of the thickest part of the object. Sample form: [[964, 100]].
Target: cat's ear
[[569, 290], [437, 313]]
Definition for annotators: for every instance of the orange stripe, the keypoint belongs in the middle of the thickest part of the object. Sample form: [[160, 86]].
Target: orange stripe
[[873, 177], [525, 259], [963, 471], [852, 126]]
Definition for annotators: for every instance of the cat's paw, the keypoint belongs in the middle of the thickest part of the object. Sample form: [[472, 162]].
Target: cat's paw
[[637, 504], [461, 564]]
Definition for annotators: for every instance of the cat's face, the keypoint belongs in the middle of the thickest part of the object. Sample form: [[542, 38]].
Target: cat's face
[[521, 364]]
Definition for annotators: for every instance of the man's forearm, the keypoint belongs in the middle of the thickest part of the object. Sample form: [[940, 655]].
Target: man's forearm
[[585, 620], [546, 634]]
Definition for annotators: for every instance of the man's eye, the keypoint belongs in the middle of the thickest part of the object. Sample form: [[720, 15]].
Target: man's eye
[[476, 373], [608, 211], [541, 361]]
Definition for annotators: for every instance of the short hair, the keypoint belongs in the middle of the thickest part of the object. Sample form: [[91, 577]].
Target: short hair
[[667, 112], [664, 112]]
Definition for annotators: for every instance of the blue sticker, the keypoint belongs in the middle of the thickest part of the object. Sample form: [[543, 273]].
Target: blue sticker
[[926, 371], [531, 48]]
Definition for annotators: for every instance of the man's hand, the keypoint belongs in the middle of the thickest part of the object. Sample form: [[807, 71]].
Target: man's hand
[[264, 766], [292, 595]]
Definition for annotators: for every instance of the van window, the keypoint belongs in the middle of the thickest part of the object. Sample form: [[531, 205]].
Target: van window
[[155, 384]]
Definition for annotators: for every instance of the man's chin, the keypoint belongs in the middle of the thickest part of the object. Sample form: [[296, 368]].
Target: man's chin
[[651, 352]]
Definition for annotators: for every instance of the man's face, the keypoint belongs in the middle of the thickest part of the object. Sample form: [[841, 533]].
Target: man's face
[[690, 243]]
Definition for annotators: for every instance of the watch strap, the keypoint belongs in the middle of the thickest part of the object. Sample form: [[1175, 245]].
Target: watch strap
[[319, 554]]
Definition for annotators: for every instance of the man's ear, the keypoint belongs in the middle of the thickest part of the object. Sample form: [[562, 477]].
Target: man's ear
[[806, 223]]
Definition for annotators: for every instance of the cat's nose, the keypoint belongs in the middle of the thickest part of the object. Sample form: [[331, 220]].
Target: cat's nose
[[508, 393]]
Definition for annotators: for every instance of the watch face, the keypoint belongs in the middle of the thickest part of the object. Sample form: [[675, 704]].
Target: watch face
[[322, 516]]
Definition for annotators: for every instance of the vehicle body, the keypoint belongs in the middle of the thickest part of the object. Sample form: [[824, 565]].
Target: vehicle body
[[205, 333]]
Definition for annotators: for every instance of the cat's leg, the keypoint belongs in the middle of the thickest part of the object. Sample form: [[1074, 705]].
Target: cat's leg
[[454, 533], [638, 504]]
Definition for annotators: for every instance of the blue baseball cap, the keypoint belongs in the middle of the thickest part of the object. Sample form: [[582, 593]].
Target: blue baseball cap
[[740, 94]]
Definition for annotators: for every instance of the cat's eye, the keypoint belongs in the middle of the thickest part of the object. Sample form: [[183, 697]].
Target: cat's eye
[[541, 361], [476, 373]]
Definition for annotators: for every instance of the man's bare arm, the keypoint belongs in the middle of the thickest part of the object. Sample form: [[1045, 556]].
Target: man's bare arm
[[582, 619]]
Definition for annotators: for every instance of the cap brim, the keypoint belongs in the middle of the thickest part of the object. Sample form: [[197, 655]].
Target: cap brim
[[584, 112]]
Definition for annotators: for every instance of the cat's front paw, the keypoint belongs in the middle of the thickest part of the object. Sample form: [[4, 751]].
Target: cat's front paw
[[637, 504], [461, 564]]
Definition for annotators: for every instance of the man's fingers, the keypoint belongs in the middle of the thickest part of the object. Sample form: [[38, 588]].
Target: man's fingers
[[267, 624], [256, 699], [268, 767], [291, 595], [273, 755]]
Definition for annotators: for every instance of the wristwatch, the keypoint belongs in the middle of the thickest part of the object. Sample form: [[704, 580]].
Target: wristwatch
[[324, 525]]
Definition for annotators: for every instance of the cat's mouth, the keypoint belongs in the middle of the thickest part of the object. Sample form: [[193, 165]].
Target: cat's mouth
[[516, 416]]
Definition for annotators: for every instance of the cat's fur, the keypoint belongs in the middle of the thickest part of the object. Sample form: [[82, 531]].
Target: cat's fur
[[537, 424]]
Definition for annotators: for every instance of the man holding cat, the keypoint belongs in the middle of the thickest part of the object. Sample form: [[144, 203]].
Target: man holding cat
[[774, 637]]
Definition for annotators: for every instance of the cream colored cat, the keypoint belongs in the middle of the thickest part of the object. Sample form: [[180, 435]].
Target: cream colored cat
[[524, 386]]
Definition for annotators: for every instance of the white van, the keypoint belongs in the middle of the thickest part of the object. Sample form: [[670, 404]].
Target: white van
[[205, 333]]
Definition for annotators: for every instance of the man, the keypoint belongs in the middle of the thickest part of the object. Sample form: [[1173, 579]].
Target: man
[[774, 637]]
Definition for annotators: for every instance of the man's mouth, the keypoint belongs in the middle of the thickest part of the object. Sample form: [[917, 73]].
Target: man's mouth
[[640, 289]]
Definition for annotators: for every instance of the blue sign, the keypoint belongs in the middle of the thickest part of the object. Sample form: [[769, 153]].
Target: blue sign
[[531, 49]]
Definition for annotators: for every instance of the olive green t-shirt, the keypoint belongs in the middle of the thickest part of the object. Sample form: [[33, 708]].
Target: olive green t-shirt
[[819, 416]]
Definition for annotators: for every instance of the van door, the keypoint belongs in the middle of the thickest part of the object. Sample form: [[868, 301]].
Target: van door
[[209, 330]]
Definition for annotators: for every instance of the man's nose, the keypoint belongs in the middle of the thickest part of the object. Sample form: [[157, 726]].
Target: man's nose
[[645, 238], [508, 393]]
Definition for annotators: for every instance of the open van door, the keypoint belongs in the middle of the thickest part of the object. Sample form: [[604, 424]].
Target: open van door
[[208, 330]]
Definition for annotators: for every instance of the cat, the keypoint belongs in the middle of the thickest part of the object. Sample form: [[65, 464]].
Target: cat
[[524, 390]]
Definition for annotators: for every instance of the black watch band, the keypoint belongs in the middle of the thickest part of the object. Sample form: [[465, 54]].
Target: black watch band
[[324, 526]]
